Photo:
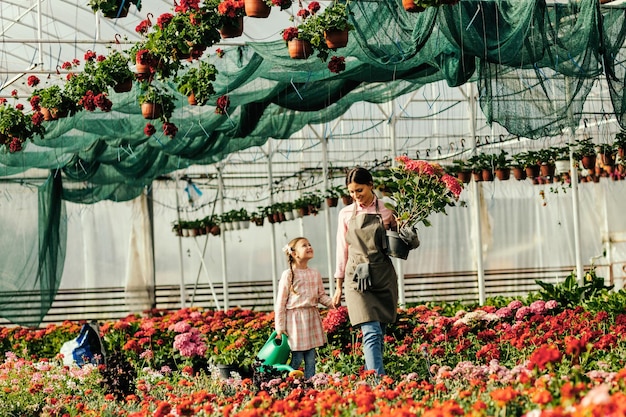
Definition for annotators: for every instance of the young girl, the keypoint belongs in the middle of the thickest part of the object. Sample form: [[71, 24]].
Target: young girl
[[300, 290]]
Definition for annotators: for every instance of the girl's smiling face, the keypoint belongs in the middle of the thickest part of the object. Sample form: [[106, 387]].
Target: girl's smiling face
[[303, 250]]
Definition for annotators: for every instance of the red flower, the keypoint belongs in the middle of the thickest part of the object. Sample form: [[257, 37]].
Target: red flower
[[14, 93], [231, 8], [303, 13], [314, 7], [101, 58], [32, 80], [184, 6], [283, 4], [19, 106], [337, 64], [143, 27], [87, 101], [66, 65], [16, 145], [164, 20], [103, 102], [543, 356], [34, 102], [149, 130], [89, 55], [37, 118], [222, 105], [3, 100], [170, 129], [290, 33], [219, 52]]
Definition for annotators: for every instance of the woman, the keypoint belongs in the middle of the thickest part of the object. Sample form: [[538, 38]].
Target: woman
[[371, 281]]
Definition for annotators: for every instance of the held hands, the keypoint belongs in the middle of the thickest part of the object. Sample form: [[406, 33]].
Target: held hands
[[337, 297]]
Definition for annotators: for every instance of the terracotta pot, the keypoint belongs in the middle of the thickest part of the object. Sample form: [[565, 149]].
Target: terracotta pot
[[299, 49], [477, 175], [332, 201], [143, 68], [547, 170], [257, 8], [191, 99], [532, 171], [346, 199], [464, 176], [232, 30], [487, 174], [607, 159], [503, 174], [336, 38], [588, 161], [519, 173], [151, 110], [124, 86], [410, 6]]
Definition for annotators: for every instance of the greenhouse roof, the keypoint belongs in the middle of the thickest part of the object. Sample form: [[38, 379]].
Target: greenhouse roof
[[538, 69]]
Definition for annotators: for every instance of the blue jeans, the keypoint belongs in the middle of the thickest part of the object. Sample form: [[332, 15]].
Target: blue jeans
[[373, 338], [309, 361]]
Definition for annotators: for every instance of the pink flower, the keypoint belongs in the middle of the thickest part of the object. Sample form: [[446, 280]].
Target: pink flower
[[515, 304], [538, 307]]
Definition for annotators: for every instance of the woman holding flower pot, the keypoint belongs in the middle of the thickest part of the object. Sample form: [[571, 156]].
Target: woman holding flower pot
[[371, 283]]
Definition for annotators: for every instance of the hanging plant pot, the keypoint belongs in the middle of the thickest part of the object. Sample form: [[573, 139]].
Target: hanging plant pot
[[191, 99], [232, 30], [487, 174], [346, 199], [123, 86], [464, 176], [299, 49], [547, 170], [588, 161], [519, 173], [151, 110], [336, 38], [332, 201], [411, 7], [257, 8], [503, 174], [532, 171], [120, 11]]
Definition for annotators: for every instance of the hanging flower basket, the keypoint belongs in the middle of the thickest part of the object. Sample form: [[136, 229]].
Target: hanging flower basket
[[411, 7], [151, 110], [299, 49], [257, 8], [336, 38], [191, 99], [123, 86], [232, 29]]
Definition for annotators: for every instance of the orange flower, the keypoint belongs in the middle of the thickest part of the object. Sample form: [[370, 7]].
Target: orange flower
[[503, 395]]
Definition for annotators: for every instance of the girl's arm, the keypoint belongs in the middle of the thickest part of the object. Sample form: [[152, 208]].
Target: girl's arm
[[280, 308], [322, 297]]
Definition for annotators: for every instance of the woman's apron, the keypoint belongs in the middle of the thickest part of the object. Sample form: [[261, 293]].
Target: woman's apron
[[366, 238]]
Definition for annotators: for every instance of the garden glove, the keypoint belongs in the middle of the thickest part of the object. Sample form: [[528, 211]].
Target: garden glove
[[409, 236], [362, 277]]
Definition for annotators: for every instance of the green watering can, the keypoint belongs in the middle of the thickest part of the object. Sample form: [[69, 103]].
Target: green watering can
[[276, 352]]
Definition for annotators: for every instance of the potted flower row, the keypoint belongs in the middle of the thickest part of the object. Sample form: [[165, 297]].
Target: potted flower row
[[185, 228]]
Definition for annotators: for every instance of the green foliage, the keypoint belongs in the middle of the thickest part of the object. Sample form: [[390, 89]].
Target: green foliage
[[569, 293], [110, 8], [335, 16], [53, 97], [154, 94], [199, 82], [112, 70]]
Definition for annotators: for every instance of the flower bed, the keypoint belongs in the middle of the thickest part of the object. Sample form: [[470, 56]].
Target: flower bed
[[513, 358]]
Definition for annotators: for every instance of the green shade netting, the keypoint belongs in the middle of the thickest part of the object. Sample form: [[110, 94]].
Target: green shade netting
[[534, 65], [32, 267]]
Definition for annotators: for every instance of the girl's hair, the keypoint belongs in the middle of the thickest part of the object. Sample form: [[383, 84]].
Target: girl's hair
[[359, 175], [289, 251]]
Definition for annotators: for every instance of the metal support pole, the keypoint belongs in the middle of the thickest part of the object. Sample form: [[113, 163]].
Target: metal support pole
[[270, 181], [476, 201], [398, 263], [220, 179], [329, 247], [180, 250]]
